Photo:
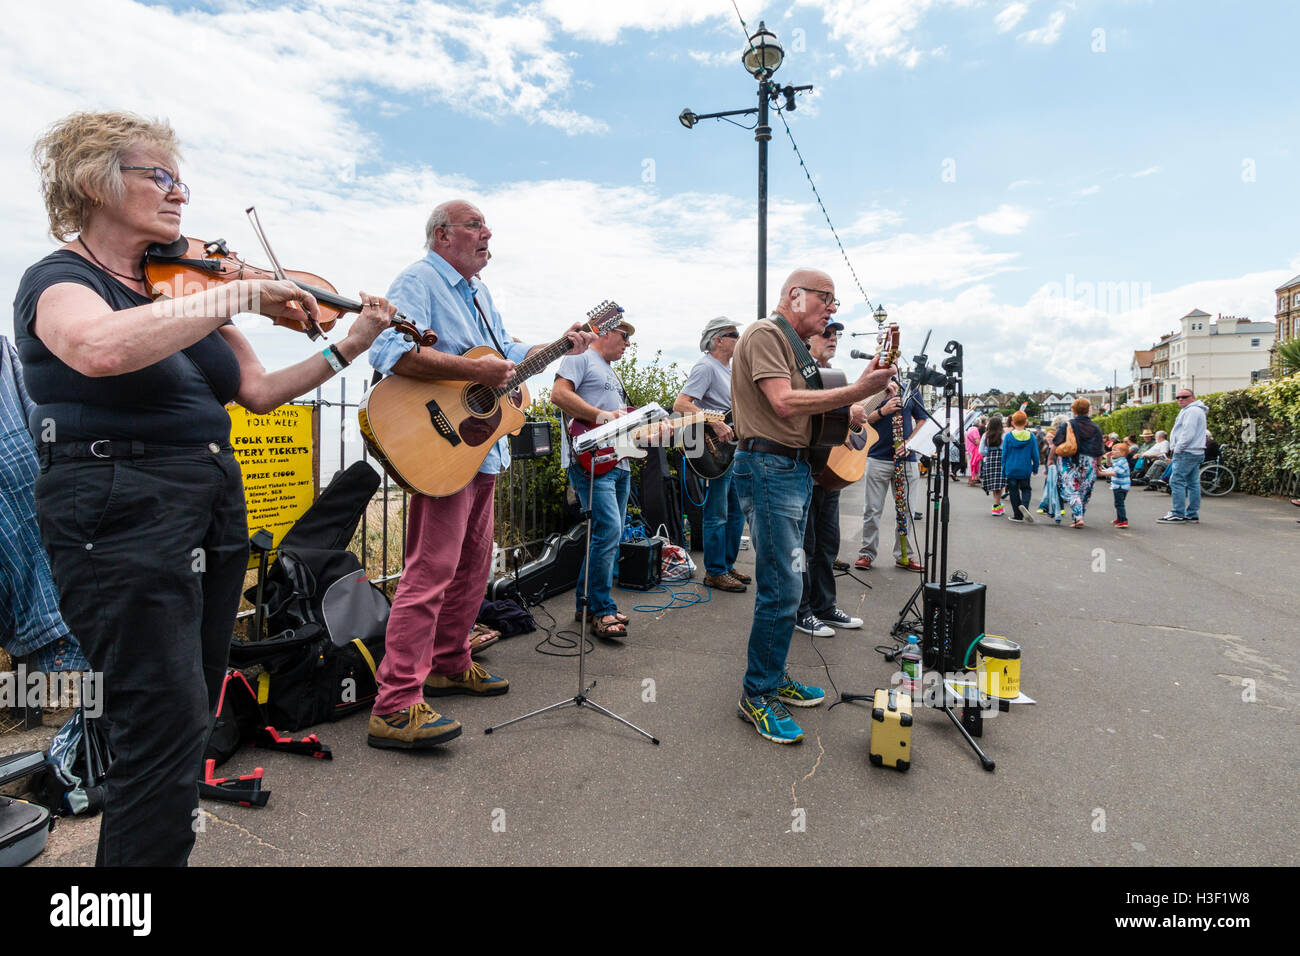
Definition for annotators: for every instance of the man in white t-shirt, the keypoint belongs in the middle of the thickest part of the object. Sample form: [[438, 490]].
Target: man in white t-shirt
[[588, 389], [708, 387]]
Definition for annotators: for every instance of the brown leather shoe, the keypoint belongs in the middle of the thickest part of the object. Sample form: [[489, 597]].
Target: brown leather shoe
[[742, 578], [911, 565], [863, 563], [723, 582]]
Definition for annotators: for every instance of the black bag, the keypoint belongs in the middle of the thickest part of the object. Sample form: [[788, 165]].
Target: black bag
[[322, 681]]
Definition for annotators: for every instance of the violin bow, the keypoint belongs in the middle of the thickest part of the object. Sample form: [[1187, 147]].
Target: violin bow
[[316, 331]]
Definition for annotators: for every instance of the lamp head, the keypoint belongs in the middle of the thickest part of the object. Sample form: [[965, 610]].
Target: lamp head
[[880, 315], [687, 118], [764, 55]]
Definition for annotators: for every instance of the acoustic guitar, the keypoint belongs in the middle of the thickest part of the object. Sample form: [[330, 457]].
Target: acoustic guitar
[[433, 436], [634, 443], [847, 462], [831, 429]]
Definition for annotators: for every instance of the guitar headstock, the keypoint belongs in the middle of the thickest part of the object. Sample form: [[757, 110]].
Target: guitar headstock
[[604, 317], [888, 350]]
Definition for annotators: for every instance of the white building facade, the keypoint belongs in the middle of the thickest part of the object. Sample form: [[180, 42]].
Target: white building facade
[[1210, 355]]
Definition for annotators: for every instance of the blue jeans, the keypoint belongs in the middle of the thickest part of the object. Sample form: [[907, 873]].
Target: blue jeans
[[723, 524], [1185, 483], [1120, 494], [774, 495], [609, 506]]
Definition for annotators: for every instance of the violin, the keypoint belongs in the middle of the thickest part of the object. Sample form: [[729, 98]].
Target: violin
[[187, 266]]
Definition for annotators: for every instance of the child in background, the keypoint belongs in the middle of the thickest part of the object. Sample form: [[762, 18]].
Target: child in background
[[991, 477], [1019, 462], [1120, 481]]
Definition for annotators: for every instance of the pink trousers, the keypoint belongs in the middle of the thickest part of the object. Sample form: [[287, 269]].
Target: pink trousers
[[447, 563]]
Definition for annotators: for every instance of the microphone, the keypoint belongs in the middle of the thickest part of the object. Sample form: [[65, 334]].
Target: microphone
[[859, 354]]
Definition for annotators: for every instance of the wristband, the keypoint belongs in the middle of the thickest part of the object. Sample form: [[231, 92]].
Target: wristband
[[335, 358]]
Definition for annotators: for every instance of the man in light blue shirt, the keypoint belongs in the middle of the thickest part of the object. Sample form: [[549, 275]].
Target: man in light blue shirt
[[449, 539]]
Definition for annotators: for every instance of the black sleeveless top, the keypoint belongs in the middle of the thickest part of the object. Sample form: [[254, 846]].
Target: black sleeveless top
[[176, 401]]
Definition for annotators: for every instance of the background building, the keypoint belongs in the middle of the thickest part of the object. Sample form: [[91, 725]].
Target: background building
[[1287, 326], [1215, 356]]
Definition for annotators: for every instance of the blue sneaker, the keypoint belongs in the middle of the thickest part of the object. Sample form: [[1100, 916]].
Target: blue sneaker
[[770, 719], [796, 694]]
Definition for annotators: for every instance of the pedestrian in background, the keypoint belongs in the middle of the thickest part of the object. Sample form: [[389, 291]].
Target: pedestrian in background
[[1019, 462], [991, 477]]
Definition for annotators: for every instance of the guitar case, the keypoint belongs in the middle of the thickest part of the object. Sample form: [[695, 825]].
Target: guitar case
[[553, 572], [661, 496]]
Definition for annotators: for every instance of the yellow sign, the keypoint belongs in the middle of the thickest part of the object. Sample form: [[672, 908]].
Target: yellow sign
[[278, 460]]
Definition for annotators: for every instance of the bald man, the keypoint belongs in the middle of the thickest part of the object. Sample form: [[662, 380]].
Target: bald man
[[773, 408]]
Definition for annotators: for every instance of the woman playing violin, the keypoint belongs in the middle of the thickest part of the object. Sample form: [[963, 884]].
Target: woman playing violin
[[140, 501]]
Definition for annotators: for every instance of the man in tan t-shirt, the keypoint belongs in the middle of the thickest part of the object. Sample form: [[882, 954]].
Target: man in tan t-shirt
[[772, 407]]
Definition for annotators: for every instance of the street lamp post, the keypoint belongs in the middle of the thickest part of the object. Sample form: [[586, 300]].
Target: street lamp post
[[762, 58]]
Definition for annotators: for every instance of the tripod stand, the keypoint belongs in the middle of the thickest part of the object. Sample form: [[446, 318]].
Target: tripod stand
[[583, 697]]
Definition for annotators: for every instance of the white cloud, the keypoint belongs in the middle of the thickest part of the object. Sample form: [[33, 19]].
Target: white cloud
[[1009, 16], [880, 30], [715, 59], [1149, 171], [1051, 341], [604, 22], [1047, 34], [1006, 220], [1022, 183], [1090, 190]]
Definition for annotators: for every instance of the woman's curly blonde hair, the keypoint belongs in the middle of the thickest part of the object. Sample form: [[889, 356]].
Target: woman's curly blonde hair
[[79, 157]]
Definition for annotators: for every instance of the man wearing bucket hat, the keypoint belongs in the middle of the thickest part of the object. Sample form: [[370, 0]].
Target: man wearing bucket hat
[[709, 387], [587, 388]]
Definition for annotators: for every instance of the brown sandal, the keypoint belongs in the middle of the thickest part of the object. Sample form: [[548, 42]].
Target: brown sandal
[[611, 629], [621, 618], [482, 636]]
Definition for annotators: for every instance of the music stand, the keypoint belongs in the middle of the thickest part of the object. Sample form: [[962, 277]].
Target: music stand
[[582, 698]]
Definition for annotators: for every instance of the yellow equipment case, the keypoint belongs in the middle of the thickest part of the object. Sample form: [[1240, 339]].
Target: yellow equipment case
[[891, 729]]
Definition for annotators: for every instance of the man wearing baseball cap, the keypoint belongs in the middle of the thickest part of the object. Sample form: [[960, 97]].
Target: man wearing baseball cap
[[708, 387]]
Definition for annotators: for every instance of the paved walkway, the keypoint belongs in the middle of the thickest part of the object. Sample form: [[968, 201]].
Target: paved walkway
[[1162, 659]]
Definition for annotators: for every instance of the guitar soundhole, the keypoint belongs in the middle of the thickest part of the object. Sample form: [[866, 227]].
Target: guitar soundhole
[[480, 399]]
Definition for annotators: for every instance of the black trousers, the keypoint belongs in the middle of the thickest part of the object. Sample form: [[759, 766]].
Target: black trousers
[[149, 556], [1021, 494], [821, 545]]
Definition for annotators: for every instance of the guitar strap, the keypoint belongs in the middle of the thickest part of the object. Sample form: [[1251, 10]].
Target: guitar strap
[[807, 364], [486, 324]]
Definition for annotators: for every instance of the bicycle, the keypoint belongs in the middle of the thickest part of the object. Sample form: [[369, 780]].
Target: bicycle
[[1217, 479]]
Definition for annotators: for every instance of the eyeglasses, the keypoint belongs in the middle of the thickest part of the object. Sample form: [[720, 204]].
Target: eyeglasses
[[477, 225], [729, 335], [1182, 398], [831, 334], [163, 180], [828, 298], [626, 337]]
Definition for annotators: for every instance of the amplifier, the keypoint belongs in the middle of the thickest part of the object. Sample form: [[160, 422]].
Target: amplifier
[[954, 619], [533, 441], [640, 563]]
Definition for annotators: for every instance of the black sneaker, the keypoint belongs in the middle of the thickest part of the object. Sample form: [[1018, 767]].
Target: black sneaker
[[837, 618], [811, 624], [1172, 518]]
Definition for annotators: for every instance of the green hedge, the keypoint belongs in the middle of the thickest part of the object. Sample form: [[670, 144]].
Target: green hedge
[[1268, 465]]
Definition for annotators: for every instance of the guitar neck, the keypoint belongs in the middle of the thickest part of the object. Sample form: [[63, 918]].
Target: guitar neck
[[535, 362]]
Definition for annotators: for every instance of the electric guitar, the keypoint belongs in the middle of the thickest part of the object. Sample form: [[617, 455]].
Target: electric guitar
[[433, 436], [633, 444], [714, 457]]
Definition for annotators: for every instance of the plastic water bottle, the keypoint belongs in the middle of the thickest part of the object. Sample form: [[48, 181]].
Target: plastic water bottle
[[686, 532], [911, 667]]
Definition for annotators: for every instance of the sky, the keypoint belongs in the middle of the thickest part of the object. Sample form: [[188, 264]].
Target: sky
[[1053, 184]]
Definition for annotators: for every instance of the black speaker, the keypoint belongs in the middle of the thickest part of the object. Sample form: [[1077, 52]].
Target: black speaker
[[954, 619], [640, 564], [533, 441]]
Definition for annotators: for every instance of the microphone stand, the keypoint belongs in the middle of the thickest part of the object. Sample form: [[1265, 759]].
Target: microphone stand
[[583, 697]]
